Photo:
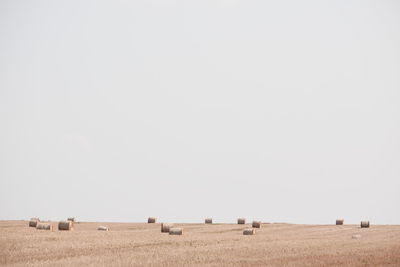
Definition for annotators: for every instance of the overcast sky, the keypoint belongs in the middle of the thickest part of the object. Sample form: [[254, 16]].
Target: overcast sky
[[283, 111]]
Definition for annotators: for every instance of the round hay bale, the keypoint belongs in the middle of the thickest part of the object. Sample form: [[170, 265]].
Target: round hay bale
[[44, 226], [103, 228], [241, 221], [165, 227], [65, 226], [151, 220], [339, 222], [175, 231], [250, 231], [256, 224], [33, 223], [208, 220], [365, 224]]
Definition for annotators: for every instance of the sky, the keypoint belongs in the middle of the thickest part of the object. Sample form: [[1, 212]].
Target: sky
[[280, 111]]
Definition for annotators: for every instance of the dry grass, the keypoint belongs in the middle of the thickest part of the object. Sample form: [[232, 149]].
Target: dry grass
[[142, 244]]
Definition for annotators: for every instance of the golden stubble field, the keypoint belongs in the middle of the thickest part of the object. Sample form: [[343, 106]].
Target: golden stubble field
[[142, 244]]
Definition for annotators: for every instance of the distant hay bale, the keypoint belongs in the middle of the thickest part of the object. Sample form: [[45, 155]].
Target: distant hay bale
[[151, 220], [72, 219], [165, 227], [65, 226], [339, 222], [44, 226], [175, 231], [208, 220], [103, 228], [33, 222], [241, 221], [256, 224], [365, 224], [250, 231]]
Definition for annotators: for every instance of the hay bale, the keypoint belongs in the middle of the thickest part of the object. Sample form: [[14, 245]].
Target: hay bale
[[208, 220], [33, 222], [103, 228], [175, 231], [65, 226], [44, 226], [72, 219], [256, 224], [151, 220], [165, 227], [250, 231], [241, 221], [365, 224], [339, 222]]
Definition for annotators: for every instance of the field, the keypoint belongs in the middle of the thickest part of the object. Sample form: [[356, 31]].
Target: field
[[141, 244]]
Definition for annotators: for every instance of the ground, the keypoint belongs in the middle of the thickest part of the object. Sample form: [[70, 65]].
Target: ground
[[142, 244]]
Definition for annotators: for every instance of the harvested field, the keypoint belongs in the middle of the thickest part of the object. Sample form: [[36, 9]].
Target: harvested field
[[142, 244]]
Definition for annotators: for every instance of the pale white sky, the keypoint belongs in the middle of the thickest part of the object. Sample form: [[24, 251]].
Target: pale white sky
[[272, 110]]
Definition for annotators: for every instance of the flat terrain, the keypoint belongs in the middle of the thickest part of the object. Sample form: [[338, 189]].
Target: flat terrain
[[140, 244]]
